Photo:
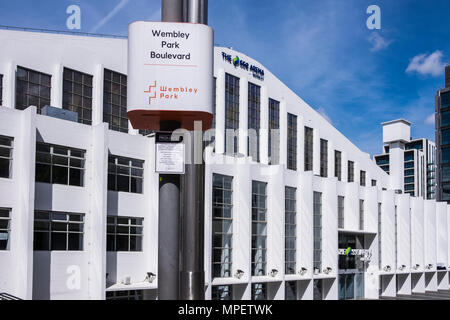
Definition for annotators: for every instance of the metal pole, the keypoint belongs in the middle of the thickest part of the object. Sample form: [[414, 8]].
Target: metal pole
[[172, 10]]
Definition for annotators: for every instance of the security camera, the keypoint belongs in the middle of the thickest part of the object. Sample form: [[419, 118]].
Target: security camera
[[316, 271], [429, 266], [273, 272], [402, 267], [327, 270], [239, 273], [387, 268], [302, 271], [416, 266], [126, 280], [150, 277]]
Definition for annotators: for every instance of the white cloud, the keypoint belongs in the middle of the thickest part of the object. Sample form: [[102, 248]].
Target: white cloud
[[430, 119], [378, 42], [427, 64], [110, 15], [323, 113]]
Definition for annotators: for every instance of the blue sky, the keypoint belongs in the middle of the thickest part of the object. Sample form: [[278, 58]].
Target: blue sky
[[323, 50]]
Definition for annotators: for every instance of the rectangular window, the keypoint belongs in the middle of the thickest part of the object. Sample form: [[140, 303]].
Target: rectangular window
[[445, 100], [361, 214], [323, 158], [222, 292], [292, 142], [32, 89], [59, 165], [351, 171], [259, 228], [395, 235], [290, 227], [338, 165], [77, 94], [317, 232], [379, 235], [5, 228], [124, 233], [308, 149], [290, 290], [374, 183], [259, 291], [115, 101], [125, 295], [254, 120], [341, 212], [231, 113], [125, 174], [6, 153], [362, 178], [445, 118], [274, 133], [1, 89], [222, 226], [58, 231]]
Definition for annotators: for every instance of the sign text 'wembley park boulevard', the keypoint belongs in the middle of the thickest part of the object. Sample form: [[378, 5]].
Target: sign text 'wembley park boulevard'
[[170, 72]]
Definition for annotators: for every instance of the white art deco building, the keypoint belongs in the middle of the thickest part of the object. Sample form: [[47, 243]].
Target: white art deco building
[[314, 218]]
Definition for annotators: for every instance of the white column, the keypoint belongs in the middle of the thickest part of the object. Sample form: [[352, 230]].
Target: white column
[[283, 133], [264, 133], [56, 98], [97, 96], [220, 112], [9, 84], [397, 165], [243, 115]]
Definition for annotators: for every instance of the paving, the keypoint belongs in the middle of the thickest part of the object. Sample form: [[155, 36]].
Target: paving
[[428, 295]]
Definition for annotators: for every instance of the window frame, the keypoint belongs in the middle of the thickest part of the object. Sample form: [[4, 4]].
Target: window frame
[[257, 213], [115, 102], [5, 148], [5, 215], [40, 85], [86, 85], [130, 225], [118, 166]]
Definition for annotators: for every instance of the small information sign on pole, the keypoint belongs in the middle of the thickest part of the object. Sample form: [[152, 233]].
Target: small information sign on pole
[[169, 155]]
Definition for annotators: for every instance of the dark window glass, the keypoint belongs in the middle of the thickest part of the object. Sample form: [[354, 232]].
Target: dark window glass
[[445, 136], [274, 133], [231, 113], [409, 172], [362, 178], [341, 212], [222, 245], [381, 160], [409, 156], [338, 164], [446, 174], [222, 292], [290, 290], [323, 158], [259, 291], [254, 120], [445, 118], [32, 88], [445, 155], [125, 295], [361, 214], [374, 183], [125, 174], [290, 228], [115, 101], [6, 153], [77, 94], [124, 233], [445, 100], [317, 232], [351, 171], [259, 228], [308, 149], [1, 89], [5, 228], [58, 231], [292, 142]]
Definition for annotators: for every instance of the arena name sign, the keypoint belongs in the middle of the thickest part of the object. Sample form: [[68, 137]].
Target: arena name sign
[[257, 72]]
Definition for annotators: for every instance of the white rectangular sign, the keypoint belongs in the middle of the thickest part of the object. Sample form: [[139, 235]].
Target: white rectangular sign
[[169, 158], [170, 67]]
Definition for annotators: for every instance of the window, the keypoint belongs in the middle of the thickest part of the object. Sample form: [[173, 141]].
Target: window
[[379, 235], [32, 89], [222, 292], [58, 231], [351, 171], [445, 99], [409, 179], [338, 164], [274, 127], [361, 214], [59, 165], [290, 227], [254, 120], [323, 158], [317, 290], [292, 142], [445, 118], [308, 149], [125, 174], [445, 155], [115, 101], [1, 89], [341, 212], [409, 165], [77, 94], [409, 156], [222, 226], [374, 183], [231, 113], [125, 295], [124, 233], [362, 178], [259, 228], [290, 290], [259, 291], [382, 160], [6, 152], [395, 235], [445, 174], [317, 231], [409, 172], [5, 228]]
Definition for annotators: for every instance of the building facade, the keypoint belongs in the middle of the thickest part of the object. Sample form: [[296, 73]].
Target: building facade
[[301, 213], [417, 155], [442, 102]]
